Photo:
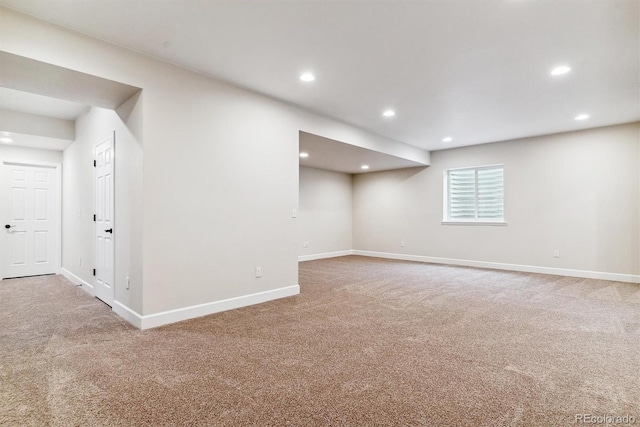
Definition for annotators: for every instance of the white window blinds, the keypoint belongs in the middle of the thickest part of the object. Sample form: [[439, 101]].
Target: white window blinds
[[475, 194]]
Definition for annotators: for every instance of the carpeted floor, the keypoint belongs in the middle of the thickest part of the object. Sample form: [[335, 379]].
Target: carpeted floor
[[369, 342]]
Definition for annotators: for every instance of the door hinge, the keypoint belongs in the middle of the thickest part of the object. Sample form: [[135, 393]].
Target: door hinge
[[94, 271], [94, 217], [94, 163]]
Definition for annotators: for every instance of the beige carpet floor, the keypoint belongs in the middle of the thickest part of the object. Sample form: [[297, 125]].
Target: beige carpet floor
[[368, 342]]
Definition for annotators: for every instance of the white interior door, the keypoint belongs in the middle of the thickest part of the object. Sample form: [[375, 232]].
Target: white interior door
[[104, 191], [29, 215]]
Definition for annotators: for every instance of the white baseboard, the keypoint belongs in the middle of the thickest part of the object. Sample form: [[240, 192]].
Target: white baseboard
[[86, 286], [127, 314], [325, 255], [172, 316], [630, 278], [180, 314]]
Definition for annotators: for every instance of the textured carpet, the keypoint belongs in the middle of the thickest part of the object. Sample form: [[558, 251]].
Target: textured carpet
[[368, 342]]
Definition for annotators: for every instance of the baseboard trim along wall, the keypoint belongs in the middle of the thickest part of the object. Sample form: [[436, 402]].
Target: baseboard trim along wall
[[172, 316], [86, 286], [325, 255], [127, 314], [629, 278]]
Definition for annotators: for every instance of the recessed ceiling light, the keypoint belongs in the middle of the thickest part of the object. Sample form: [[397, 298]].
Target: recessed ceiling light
[[447, 139], [560, 70], [307, 77], [6, 140], [389, 113], [365, 167], [304, 155], [582, 117]]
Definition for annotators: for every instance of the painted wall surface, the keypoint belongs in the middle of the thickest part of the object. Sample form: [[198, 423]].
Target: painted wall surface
[[325, 213], [220, 169], [29, 155], [78, 202], [575, 192]]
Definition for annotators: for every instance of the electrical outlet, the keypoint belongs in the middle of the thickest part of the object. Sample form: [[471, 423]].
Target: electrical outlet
[[258, 271], [305, 244], [556, 253], [128, 282], [402, 244]]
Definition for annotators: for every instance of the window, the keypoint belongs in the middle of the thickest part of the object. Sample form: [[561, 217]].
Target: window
[[474, 195]]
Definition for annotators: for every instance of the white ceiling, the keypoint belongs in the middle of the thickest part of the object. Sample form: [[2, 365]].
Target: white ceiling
[[475, 70], [47, 91], [25, 102], [329, 154], [30, 75], [35, 141]]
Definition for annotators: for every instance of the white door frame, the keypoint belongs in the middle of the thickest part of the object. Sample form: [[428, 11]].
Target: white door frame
[[57, 207]]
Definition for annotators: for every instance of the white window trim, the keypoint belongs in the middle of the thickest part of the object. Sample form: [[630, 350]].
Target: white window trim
[[445, 204], [474, 222]]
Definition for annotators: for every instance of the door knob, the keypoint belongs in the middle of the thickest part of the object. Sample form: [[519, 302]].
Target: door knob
[[8, 226], [109, 230]]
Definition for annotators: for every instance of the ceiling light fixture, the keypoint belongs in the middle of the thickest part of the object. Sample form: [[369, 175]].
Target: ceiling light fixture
[[560, 70], [389, 113], [6, 140], [365, 167], [582, 117], [307, 77], [447, 139], [304, 155]]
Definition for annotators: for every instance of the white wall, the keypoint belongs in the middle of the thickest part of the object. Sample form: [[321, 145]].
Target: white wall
[[78, 202], [14, 153], [325, 212], [220, 170], [576, 192]]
